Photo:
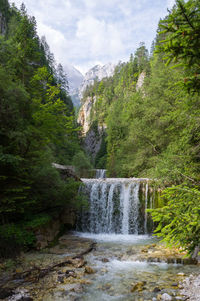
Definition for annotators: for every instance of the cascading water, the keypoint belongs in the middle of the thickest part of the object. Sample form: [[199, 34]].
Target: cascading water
[[115, 206], [100, 173]]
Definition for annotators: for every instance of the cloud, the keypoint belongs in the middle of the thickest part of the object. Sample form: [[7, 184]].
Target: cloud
[[170, 3], [84, 32]]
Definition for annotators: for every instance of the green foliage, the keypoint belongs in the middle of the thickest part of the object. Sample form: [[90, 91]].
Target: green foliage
[[178, 221], [37, 127], [154, 131], [81, 162], [101, 156], [181, 44]]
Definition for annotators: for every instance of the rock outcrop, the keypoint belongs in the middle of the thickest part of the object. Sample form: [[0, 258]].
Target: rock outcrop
[[92, 132], [47, 233], [140, 80], [84, 117]]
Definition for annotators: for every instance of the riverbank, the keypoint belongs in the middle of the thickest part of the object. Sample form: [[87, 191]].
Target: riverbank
[[110, 269], [191, 288]]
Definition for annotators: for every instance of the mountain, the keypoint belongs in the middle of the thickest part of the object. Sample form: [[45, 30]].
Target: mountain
[[75, 78], [78, 83], [96, 73]]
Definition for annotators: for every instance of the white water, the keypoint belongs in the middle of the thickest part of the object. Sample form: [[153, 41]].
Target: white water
[[115, 206], [145, 213], [100, 173], [118, 238]]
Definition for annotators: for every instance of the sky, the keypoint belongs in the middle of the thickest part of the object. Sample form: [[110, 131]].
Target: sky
[[84, 33]]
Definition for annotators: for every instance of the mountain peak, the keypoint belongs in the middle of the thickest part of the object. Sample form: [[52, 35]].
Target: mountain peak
[[97, 72]]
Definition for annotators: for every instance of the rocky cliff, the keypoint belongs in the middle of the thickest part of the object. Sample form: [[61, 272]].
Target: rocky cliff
[[96, 73], [92, 132]]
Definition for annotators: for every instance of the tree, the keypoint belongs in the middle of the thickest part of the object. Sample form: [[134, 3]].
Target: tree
[[62, 78], [178, 221], [181, 45]]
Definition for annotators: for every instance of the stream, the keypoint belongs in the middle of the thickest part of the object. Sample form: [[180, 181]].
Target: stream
[[118, 269], [127, 263]]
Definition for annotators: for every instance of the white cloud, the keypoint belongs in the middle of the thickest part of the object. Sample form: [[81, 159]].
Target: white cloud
[[170, 3], [85, 32]]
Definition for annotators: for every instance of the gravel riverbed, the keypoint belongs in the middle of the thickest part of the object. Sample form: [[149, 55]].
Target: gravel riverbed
[[191, 288]]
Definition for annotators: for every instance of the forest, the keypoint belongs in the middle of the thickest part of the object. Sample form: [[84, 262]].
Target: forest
[[152, 129], [38, 127]]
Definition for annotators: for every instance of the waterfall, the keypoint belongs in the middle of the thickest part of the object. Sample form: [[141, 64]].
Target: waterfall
[[145, 212], [115, 206], [100, 173]]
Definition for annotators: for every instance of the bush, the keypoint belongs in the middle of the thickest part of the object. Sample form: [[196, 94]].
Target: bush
[[178, 220], [14, 238]]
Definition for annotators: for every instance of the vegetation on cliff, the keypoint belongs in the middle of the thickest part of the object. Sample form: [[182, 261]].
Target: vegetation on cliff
[[153, 130]]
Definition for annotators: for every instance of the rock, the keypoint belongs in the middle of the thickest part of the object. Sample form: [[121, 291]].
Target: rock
[[26, 299], [78, 288], [104, 270], [139, 286], [71, 273], [181, 274], [61, 278], [105, 260], [166, 297], [144, 251], [79, 263], [89, 270], [106, 286], [174, 284], [156, 290], [5, 292]]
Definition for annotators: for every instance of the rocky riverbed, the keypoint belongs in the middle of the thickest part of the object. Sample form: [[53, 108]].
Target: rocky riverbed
[[112, 269]]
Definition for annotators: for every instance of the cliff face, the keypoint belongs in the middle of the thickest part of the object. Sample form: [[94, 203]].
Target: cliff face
[[140, 80], [96, 73], [84, 117], [92, 132]]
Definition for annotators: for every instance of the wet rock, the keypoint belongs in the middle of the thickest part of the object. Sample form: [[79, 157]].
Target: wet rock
[[175, 284], [166, 297], [105, 260], [104, 270], [139, 286], [144, 251], [89, 270], [79, 263], [106, 286], [156, 290], [181, 274], [61, 278], [5, 292], [70, 273], [78, 288]]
